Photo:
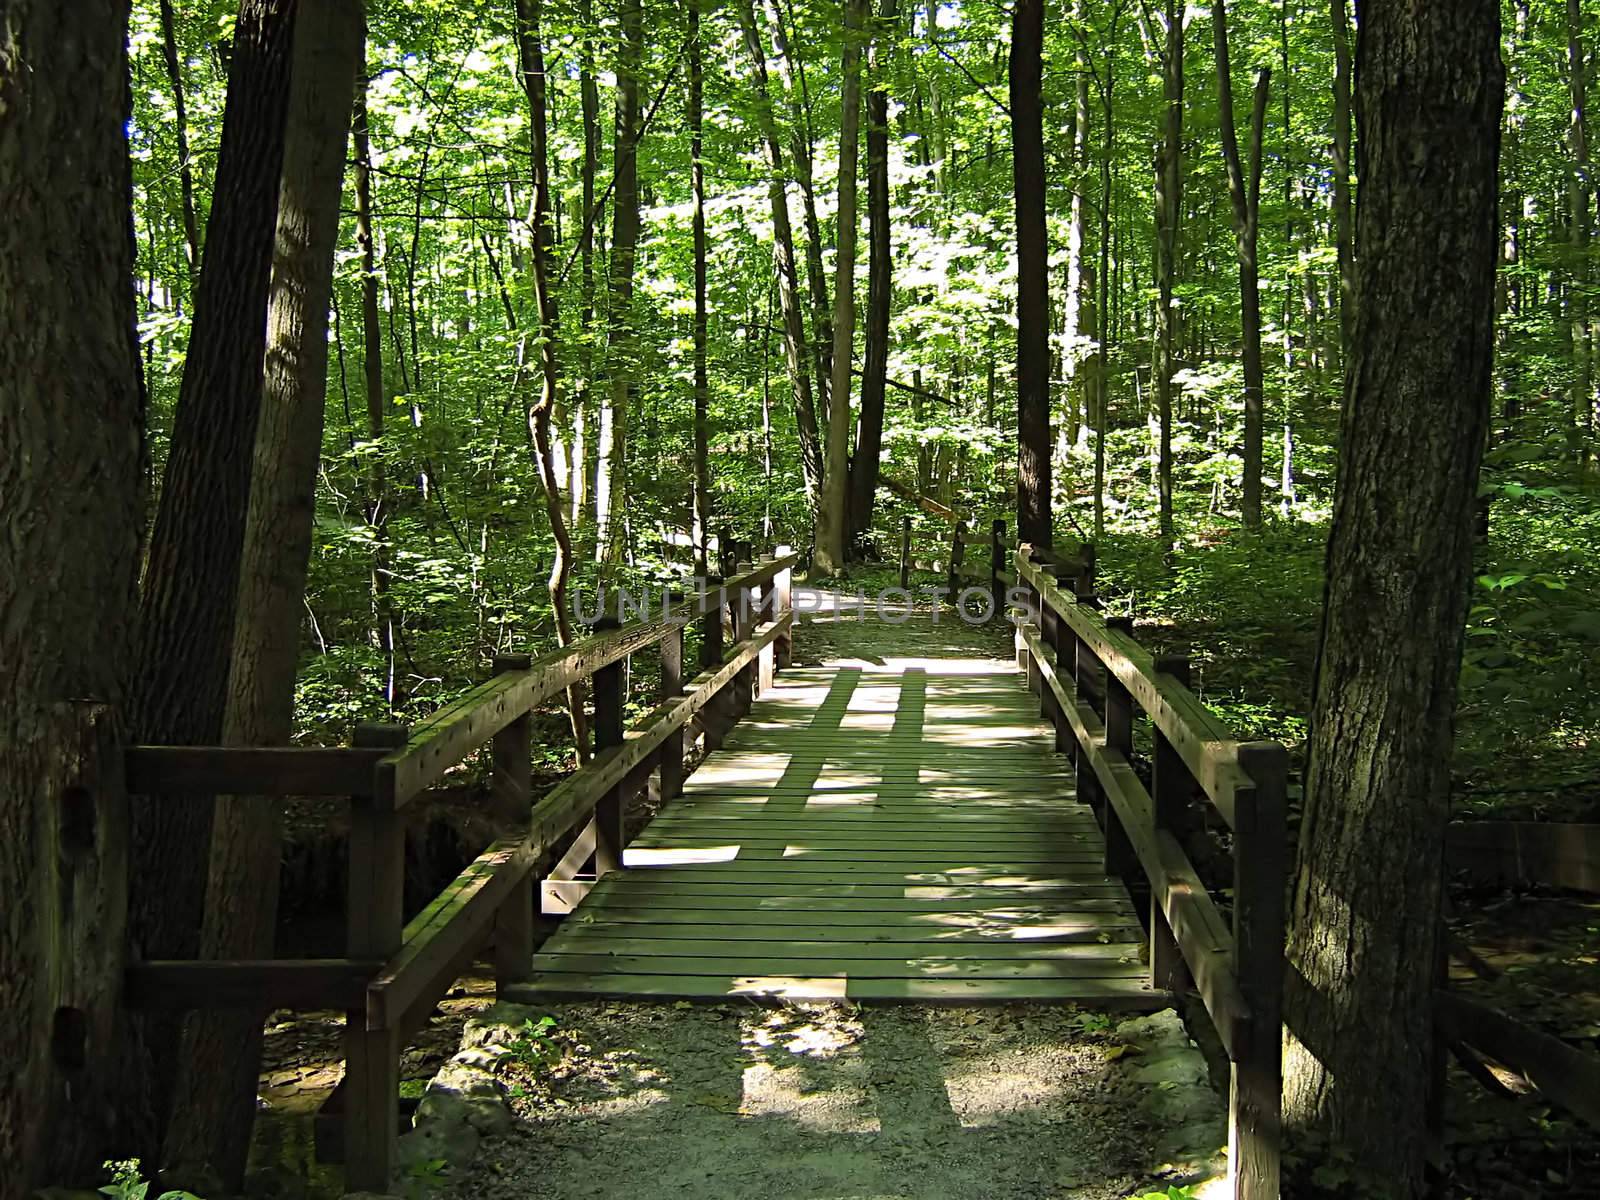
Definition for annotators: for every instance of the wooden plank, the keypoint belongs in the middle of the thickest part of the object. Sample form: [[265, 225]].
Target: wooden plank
[[1120, 933], [1565, 1074], [1081, 947], [777, 889], [1125, 995], [740, 902], [1009, 921], [251, 770], [262, 984], [1075, 871], [774, 960]]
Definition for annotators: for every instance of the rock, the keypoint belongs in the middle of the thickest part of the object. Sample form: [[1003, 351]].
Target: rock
[[446, 1143], [464, 1092]]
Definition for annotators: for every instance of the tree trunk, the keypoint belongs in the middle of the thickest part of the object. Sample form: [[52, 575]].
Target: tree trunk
[[530, 49], [180, 130], [1578, 216], [216, 1100], [1365, 941], [791, 74], [880, 279], [1245, 192], [191, 577], [582, 403], [1344, 225], [702, 382], [1169, 211], [71, 471], [377, 482], [1108, 146], [1033, 284], [794, 335], [1079, 317], [611, 486], [832, 510]]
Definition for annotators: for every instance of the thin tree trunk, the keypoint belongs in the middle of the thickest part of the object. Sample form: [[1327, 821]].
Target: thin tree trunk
[[71, 472], [1169, 210], [880, 279], [191, 577], [1033, 286], [791, 74], [1108, 146], [378, 501], [1365, 940], [583, 402], [1578, 216], [1077, 312], [530, 47], [832, 512], [612, 483], [794, 336], [1245, 192], [702, 383], [180, 129], [1344, 226], [216, 1099]]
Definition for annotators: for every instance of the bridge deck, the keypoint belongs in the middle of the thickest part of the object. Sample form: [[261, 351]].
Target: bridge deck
[[889, 832]]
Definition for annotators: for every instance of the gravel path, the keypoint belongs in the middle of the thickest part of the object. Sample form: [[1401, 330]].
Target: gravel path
[[830, 1102]]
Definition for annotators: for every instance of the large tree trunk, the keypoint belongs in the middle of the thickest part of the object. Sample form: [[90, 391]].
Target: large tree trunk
[[1169, 212], [701, 515], [880, 279], [1367, 898], [1245, 192], [794, 326], [1033, 286], [831, 511], [71, 472], [215, 1103], [191, 577], [377, 499], [612, 483], [1344, 226]]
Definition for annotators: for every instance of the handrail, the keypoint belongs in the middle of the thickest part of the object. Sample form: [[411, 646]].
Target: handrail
[[1092, 678]]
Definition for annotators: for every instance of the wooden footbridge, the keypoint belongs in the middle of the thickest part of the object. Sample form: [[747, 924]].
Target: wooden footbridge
[[922, 830]]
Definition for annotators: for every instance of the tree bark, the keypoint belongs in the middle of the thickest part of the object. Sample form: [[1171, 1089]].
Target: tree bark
[[1101, 406], [1365, 939], [191, 576], [71, 472], [215, 1103], [612, 482], [829, 556], [1245, 192], [880, 279], [794, 335], [1078, 318], [1033, 284], [1169, 212], [582, 403]]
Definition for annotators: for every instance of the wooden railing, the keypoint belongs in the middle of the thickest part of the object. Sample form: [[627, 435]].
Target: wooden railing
[[984, 571], [394, 970], [1092, 678]]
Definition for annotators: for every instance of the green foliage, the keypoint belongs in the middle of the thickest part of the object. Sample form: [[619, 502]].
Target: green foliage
[[128, 1184]]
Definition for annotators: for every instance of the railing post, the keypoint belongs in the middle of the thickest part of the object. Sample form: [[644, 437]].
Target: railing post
[[1050, 635], [958, 554], [997, 566], [667, 783], [512, 755], [1259, 847], [783, 604], [743, 687], [711, 717], [608, 703], [905, 552], [374, 924], [1171, 791], [1119, 738]]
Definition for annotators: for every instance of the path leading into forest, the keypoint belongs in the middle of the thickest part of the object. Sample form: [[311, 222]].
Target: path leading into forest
[[823, 1100]]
